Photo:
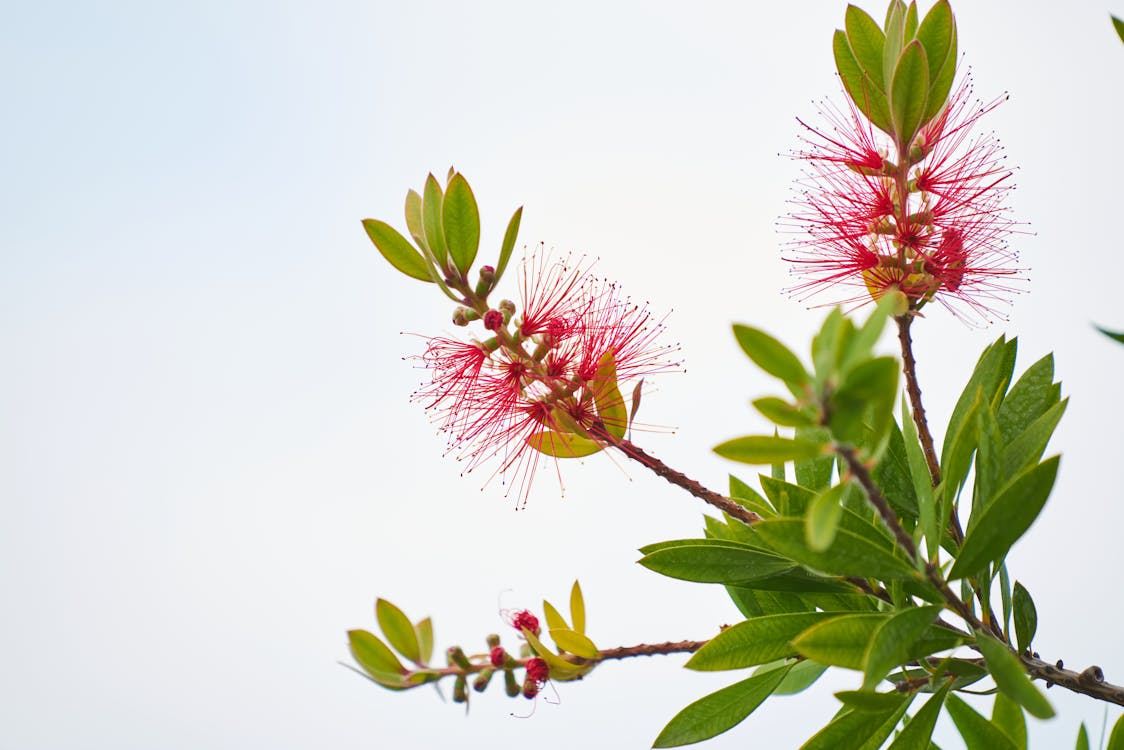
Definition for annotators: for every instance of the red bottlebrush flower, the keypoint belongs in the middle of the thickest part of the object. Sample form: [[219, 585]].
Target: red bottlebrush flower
[[932, 223], [524, 620], [535, 385], [537, 670]]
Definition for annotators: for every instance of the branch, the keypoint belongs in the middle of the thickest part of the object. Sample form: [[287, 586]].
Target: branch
[[1089, 682]]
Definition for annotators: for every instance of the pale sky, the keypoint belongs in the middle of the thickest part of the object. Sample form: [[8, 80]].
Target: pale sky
[[209, 464]]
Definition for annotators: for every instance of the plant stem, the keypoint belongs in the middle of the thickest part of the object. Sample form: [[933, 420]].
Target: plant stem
[[877, 500], [909, 366]]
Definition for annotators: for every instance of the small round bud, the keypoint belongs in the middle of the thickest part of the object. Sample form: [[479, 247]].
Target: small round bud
[[455, 655], [492, 640], [493, 320], [487, 280], [497, 656], [459, 317], [530, 689], [537, 670], [482, 680], [524, 620], [507, 306]]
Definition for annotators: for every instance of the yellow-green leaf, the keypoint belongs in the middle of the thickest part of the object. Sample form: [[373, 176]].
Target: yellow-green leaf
[[574, 642], [460, 221], [397, 249], [577, 608], [563, 444], [398, 629]]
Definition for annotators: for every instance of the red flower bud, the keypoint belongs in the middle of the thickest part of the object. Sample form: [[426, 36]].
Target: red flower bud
[[537, 670], [493, 320], [524, 620], [497, 656]]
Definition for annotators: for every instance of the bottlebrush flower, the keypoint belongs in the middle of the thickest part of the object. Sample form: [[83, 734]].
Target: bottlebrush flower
[[932, 223], [546, 380]]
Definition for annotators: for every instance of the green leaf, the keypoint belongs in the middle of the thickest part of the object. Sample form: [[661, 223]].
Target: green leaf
[[822, 519], [989, 464], [865, 700], [957, 457], [1006, 519], [911, 20], [992, 370], [397, 249], [781, 412], [424, 629], [895, 41], [432, 199], [509, 238], [826, 346], [894, 475], [574, 642], [398, 629], [1008, 716], [870, 388], [941, 84], [1082, 738], [858, 730], [577, 607], [1119, 26], [1116, 739], [554, 619], [866, 40], [789, 499], [720, 711], [909, 93], [1026, 616], [916, 734], [977, 732], [1028, 398], [755, 641], [376, 659], [460, 220], [801, 677], [841, 641], [922, 486], [763, 449], [714, 561], [814, 473], [1010, 677], [1028, 447], [858, 348], [892, 644], [771, 356], [936, 34], [607, 396], [414, 218], [869, 99], [563, 444], [747, 497], [849, 555]]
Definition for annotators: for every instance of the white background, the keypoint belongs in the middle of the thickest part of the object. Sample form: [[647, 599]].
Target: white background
[[209, 467]]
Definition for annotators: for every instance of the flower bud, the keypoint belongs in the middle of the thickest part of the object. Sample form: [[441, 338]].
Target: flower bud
[[510, 686], [524, 620], [482, 680], [487, 280], [493, 320], [460, 690], [493, 640], [530, 689], [455, 655], [537, 669], [498, 657], [462, 316]]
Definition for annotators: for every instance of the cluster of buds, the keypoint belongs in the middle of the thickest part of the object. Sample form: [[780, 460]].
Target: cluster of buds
[[544, 378], [575, 656]]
